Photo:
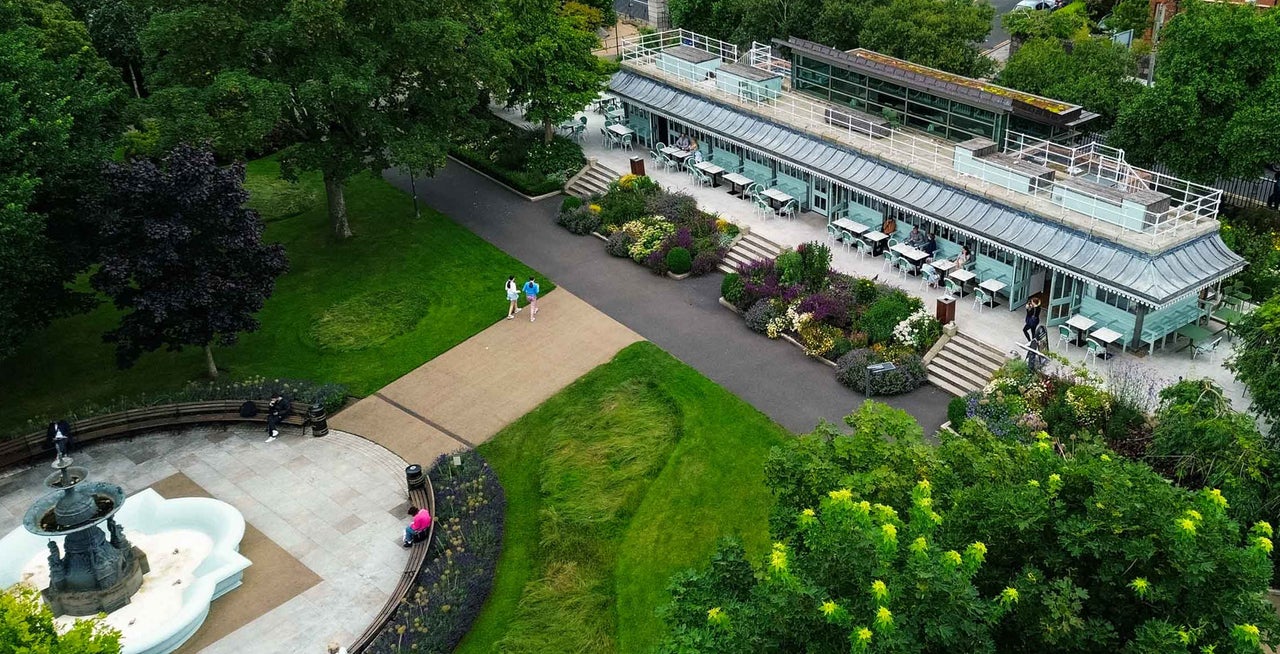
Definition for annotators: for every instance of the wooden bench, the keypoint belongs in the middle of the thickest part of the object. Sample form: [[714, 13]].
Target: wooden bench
[[32, 446], [420, 497]]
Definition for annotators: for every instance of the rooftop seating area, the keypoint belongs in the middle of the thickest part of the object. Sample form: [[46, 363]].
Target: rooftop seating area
[[1092, 205]]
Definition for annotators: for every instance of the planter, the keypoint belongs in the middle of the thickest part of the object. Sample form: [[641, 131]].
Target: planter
[[677, 277], [789, 339], [729, 305]]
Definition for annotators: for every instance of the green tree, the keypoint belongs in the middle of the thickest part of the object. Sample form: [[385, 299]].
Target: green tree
[[1256, 359], [552, 69], [856, 577], [1130, 15], [943, 34], [1215, 107], [59, 108], [1024, 25], [26, 626], [346, 86], [1096, 74], [114, 26], [1104, 554]]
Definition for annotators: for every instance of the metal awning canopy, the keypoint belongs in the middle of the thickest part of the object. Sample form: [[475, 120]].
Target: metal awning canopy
[[1156, 280]]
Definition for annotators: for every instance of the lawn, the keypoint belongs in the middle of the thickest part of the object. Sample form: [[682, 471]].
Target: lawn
[[622, 479], [360, 312]]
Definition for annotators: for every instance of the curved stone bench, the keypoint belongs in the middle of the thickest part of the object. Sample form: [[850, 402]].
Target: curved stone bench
[[31, 446]]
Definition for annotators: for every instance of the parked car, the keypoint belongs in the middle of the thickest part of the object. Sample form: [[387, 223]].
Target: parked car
[[1036, 5]]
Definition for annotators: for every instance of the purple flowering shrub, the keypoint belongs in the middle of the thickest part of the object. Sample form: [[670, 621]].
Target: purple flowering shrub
[[456, 577]]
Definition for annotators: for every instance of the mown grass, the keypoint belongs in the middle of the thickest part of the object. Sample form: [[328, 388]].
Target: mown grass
[[457, 275], [619, 481]]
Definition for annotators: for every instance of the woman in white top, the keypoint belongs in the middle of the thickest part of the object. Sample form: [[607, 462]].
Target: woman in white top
[[513, 296]]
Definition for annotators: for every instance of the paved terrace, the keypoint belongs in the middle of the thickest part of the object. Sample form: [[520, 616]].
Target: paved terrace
[[996, 326]]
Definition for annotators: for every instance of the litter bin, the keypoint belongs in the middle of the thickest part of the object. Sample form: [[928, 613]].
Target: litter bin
[[319, 420], [413, 475], [637, 166], [946, 309]]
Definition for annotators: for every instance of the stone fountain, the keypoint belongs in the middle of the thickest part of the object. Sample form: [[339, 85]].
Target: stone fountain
[[158, 592], [97, 574]]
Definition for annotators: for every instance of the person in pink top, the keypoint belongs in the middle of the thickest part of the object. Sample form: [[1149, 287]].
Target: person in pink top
[[417, 529]]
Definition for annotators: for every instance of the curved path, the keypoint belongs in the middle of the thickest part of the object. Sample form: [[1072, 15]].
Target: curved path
[[683, 318]]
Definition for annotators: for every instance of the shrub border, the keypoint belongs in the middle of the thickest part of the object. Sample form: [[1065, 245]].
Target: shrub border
[[456, 154]]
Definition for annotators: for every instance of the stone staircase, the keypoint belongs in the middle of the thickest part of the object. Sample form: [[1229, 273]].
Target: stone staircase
[[964, 364], [750, 247], [593, 179]]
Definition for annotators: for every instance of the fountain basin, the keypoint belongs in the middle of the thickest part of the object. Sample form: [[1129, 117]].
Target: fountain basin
[[207, 533]]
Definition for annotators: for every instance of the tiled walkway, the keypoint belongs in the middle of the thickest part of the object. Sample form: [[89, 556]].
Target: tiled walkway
[[334, 504], [997, 326], [466, 395]]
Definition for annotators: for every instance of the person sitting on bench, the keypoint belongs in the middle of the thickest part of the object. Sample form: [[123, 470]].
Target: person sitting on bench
[[417, 529], [277, 409]]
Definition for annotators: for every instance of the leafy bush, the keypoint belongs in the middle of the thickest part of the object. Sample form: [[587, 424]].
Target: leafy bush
[[865, 292], [518, 157], [815, 337], [732, 288], [815, 265], [884, 314], [455, 580], [679, 208], [790, 267], [678, 261], [559, 159], [570, 203], [919, 331], [956, 409], [1255, 234], [831, 306], [841, 347], [759, 316], [908, 374], [648, 234], [579, 221], [706, 261], [619, 244]]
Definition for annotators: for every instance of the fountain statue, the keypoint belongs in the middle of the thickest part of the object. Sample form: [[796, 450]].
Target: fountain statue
[[97, 574], [156, 592]]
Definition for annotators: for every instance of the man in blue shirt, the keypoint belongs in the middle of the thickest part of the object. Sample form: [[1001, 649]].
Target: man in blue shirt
[[531, 294]]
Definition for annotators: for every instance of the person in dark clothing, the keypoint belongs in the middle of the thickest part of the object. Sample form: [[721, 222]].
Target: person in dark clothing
[[1033, 319], [930, 246], [277, 409], [1273, 202]]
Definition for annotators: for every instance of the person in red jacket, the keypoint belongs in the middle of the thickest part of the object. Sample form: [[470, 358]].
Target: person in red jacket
[[417, 529]]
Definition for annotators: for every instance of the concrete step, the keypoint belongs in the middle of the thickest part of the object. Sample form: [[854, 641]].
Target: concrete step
[[960, 371], [964, 364], [947, 385], [978, 350], [751, 247]]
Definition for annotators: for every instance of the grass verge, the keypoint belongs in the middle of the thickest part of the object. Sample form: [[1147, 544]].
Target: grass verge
[[454, 277], [622, 479]]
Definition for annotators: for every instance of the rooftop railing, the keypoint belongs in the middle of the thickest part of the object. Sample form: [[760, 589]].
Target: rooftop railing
[[1193, 207]]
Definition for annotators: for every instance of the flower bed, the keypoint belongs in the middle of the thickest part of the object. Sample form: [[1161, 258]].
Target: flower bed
[[854, 322], [518, 157], [663, 231], [457, 575]]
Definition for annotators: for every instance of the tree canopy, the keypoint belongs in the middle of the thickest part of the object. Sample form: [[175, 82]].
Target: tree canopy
[[1013, 547], [943, 34], [114, 26], [1215, 107], [1094, 73], [1256, 359], [345, 87], [59, 108], [182, 254], [26, 625]]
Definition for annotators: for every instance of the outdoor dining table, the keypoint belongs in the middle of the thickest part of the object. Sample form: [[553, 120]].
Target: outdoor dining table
[[850, 228], [621, 130], [713, 171], [777, 197], [738, 183], [1105, 336], [943, 266], [877, 239], [993, 287], [913, 255], [1082, 325], [1229, 317], [677, 153], [1194, 333], [963, 277]]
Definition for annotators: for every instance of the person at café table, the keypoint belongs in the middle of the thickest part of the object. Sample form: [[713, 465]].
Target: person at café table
[[916, 238], [889, 226], [930, 246], [684, 142], [962, 258]]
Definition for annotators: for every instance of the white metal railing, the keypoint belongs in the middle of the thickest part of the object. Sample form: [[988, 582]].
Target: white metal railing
[[761, 56], [1193, 206]]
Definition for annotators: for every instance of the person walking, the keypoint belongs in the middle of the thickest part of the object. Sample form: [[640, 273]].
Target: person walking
[[513, 296], [1033, 319], [531, 294]]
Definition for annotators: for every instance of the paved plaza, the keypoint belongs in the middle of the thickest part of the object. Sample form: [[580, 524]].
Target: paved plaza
[[996, 326], [323, 519]]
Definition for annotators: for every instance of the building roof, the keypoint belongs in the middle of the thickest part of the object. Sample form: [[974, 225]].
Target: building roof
[[1156, 280], [690, 54], [941, 83], [748, 72]]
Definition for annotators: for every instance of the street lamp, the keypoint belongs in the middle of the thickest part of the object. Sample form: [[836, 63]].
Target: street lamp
[[875, 369]]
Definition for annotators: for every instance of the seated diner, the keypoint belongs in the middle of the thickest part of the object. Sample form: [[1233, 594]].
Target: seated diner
[[916, 238]]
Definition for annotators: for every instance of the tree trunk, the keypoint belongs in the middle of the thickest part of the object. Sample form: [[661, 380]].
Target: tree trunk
[[208, 359], [334, 189], [548, 130], [133, 77]]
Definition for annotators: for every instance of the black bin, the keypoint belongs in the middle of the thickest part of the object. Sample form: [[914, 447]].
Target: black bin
[[319, 419], [413, 475]]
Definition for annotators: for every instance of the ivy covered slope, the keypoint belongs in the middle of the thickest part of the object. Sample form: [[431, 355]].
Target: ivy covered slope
[[884, 543]]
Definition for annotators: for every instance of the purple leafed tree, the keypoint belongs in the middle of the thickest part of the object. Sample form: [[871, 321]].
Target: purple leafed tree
[[181, 254]]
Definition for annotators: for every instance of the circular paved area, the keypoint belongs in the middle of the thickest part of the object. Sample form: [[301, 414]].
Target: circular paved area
[[324, 519]]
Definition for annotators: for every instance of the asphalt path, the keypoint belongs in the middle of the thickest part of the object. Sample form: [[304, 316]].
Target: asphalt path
[[682, 317]]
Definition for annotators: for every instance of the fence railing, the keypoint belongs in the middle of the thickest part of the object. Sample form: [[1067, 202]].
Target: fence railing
[[1193, 209]]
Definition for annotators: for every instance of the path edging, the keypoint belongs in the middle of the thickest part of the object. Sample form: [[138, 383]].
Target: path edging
[[531, 198]]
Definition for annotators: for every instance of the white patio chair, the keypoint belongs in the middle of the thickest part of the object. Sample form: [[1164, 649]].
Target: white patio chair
[[864, 248], [1065, 336], [788, 210], [980, 299], [1206, 349]]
